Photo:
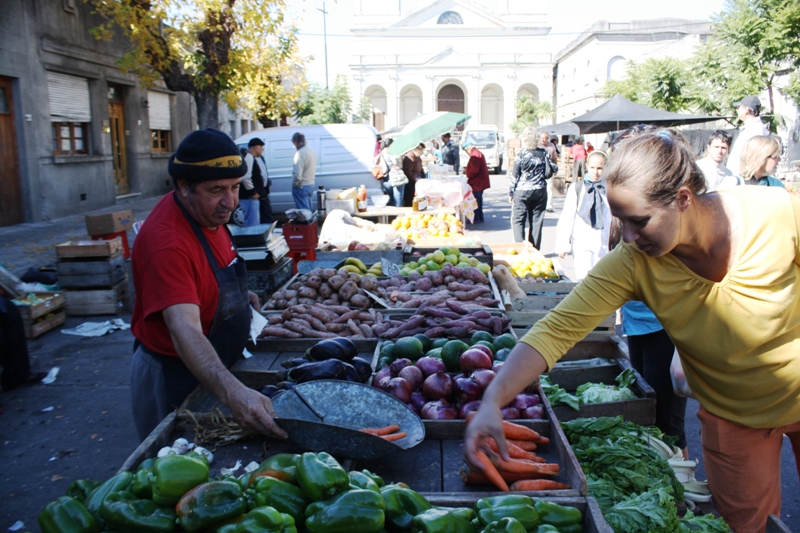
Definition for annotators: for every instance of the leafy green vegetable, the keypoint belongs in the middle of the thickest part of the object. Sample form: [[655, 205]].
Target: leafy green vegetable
[[653, 511], [601, 393], [703, 524], [557, 395]]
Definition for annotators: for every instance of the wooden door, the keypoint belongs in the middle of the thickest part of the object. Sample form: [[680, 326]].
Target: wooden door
[[118, 151], [11, 209]]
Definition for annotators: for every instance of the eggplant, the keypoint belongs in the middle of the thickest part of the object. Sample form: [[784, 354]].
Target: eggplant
[[363, 368], [330, 369], [337, 348], [296, 361]]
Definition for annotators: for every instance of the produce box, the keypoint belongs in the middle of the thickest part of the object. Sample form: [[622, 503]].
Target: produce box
[[267, 281], [109, 301], [641, 410], [35, 327], [92, 272], [75, 249], [481, 252], [109, 222], [300, 236], [328, 252], [348, 206], [511, 254]]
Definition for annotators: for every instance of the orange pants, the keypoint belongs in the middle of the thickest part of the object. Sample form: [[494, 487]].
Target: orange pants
[[744, 469]]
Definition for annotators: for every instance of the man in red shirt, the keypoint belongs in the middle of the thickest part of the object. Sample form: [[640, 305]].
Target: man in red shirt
[[579, 159], [477, 176], [192, 312]]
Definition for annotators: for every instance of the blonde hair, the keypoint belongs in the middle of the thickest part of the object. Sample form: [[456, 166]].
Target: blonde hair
[[755, 154], [662, 160], [530, 138], [597, 153]]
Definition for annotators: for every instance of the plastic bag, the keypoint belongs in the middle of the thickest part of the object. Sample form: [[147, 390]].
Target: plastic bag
[[679, 383]]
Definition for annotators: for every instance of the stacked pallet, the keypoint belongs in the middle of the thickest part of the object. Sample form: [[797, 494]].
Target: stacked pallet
[[95, 276]]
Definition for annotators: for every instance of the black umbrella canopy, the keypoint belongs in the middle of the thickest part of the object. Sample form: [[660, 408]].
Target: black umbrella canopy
[[563, 128], [620, 113]]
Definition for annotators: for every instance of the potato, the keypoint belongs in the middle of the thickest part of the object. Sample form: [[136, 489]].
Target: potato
[[315, 272], [307, 292], [296, 285], [359, 300], [336, 282], [424, 284], [281, 304], [328, 273], [314, 281], [325, 291], [348, 290], [355, 278], [368, 284], [414, 275], [449, 279]]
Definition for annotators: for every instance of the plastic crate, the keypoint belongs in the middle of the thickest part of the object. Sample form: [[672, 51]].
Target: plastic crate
[[301, 236], [308, 254], [267, 281]]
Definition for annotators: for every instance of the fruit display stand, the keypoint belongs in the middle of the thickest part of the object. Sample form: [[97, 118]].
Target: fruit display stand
[[329, 253], [443, 224], [481, 252]]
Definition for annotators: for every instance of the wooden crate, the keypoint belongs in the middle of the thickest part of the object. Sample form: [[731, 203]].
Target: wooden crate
[[94, 272], [35, 327], [109, 301], [76, 249], [52, 302], [776, 525]]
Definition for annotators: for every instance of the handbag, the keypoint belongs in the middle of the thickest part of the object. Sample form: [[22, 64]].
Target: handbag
[[397, 178], [377, 171]]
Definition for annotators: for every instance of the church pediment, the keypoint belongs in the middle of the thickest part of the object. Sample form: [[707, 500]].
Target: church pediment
[[451, 14], [451, 58]]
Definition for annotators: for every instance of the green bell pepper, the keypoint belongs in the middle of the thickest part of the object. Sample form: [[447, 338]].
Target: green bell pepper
[[505, 525], [81, 488], [141, 479], [354, 511], [557, 515], [574, 528], [359, 480], [119, 483], [508, 506], [441, 521], [175, 475], [402, 505], [281, 466], [210, 504], [321, 476], [283, 496], [67, 515], [547, 528], [262, 520], [467, 513], [125, 512], [374, 477]]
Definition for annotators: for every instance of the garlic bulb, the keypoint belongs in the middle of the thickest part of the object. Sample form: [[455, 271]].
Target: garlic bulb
[[207, 454], [167, 450]]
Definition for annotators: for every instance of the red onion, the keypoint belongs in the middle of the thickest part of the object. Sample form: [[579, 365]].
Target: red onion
[[510, 413], [399, 364], [439, 410], [418, 400], [413, 375], [474, 359], [483, 377], [523, 400], [430, 365], [468, 390], [496, 366], [380, 375], [438, 386], [400, 389], [535, 412], [485, 349], [468, 407]]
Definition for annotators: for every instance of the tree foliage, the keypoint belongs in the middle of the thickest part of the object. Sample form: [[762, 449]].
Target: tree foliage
[[334, 105], [530, 112], [241, 50], [660, 83], [753, 44]]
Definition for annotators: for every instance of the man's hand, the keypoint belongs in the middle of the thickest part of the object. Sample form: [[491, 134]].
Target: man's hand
[[254, 411], [562, 255], [255, 196], [511, 199], [254, 301]]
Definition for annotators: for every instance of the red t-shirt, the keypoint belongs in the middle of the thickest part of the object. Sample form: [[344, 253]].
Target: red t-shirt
[[477, 172], [169, 267], [578, 152]]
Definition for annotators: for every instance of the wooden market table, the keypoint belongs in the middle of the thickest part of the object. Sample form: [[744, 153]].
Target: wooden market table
[[383, 213]]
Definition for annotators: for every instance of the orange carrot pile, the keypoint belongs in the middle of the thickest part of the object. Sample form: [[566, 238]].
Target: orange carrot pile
[[524, 469], [390, 433]]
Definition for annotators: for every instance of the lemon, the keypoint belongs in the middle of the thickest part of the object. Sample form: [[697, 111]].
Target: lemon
[[473, 262], [485, 268], [438, 255]]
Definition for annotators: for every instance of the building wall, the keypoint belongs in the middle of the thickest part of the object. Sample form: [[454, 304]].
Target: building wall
[[37, 36]]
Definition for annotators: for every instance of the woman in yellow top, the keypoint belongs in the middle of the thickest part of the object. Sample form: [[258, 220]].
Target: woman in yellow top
[[720, 271]]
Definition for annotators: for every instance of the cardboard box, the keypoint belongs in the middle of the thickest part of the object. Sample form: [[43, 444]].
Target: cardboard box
[[514, 143], [345, 205], [109, 222]]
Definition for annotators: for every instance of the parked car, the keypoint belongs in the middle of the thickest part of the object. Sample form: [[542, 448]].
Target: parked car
[[344, 158], [489, 141]]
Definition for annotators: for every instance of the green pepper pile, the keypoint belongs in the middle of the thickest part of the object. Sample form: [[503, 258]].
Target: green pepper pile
[[310, 492]]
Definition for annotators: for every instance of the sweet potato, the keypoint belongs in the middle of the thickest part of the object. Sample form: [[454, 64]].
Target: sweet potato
[[306, 292], [471, 295], [336, 328], [359, 300], [274, 319], [329, 301], [336, 282], [276, 331], [475, 275], [456, 272], [351, 325], [414, 275], [424, 284], [366, 330], [281, 304]]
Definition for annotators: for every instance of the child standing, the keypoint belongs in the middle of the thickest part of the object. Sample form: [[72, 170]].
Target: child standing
[[584, 223]]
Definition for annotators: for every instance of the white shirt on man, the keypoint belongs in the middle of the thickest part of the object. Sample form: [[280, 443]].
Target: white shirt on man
[[753, 127], [717, 175]]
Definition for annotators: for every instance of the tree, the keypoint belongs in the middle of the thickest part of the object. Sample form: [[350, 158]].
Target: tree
[[529, 112], [754, 42], [239, 50], [321, 105], [660, 83]]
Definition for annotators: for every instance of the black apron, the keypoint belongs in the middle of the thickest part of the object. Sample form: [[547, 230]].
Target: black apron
[[230, 327]]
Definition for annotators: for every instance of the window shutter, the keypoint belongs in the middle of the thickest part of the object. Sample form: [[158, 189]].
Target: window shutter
[[158, 109], [69, 98]]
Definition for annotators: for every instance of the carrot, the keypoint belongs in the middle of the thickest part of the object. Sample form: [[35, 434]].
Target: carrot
[[394, 436], [527, 445], [381, 431], [523, 466], [538, 484], [491, 472], [515, 452], [471, 477], [517, 432]]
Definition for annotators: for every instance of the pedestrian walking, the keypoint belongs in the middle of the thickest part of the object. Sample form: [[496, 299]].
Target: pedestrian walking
[[578, 159], [477, 177], [248, 191], [450, 155], [304, 168], [412, 168], [748, 110]]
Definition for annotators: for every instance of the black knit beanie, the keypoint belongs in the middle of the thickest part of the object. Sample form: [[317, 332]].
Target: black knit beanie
[[206, 155]]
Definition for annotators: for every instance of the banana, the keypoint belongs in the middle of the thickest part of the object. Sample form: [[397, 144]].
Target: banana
[[356, 263], [375, 272], [352, 268], [377, 266]]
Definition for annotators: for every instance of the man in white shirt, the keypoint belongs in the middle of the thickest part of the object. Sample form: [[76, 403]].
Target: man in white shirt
[[303, 172], [250, 186], [713, 164], [748, 110]]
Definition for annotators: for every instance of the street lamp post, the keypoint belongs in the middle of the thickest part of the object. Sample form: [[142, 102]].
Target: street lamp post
[[325, 37]]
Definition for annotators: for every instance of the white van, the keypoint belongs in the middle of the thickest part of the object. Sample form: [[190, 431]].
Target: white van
[[344, 158], [489, 141]]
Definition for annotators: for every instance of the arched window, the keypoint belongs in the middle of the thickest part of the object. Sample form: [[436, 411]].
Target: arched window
[[617, 67], [450, 17]]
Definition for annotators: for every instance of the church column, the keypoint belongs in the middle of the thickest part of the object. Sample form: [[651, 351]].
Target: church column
[[510, 100], [473, 98]]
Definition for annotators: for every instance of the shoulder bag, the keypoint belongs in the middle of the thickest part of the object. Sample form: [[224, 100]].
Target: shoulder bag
[[397, 178]]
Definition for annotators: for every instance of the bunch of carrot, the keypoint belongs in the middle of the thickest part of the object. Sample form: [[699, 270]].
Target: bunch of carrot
[[525, 470], [390, 433]]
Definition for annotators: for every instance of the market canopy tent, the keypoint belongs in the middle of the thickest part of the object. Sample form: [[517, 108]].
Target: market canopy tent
[[620, 113], [424, 128], [562, 128]]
